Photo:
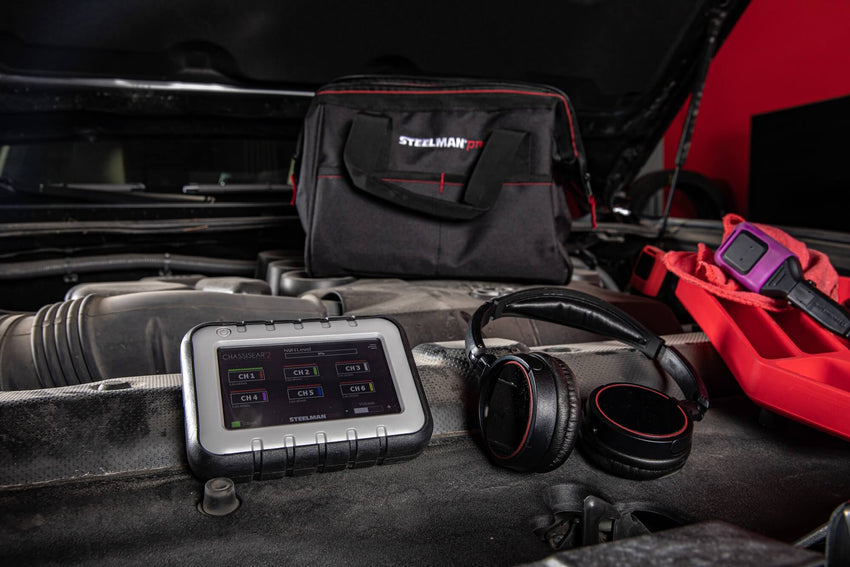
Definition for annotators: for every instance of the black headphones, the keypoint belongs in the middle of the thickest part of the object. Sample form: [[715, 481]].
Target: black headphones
[[529, 405]]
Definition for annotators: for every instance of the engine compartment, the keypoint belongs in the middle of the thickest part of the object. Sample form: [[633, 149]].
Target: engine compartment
[[85, 338], [149, 157], [104, 453]]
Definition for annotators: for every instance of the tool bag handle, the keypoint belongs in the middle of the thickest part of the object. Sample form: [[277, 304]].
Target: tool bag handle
[[367, 151]]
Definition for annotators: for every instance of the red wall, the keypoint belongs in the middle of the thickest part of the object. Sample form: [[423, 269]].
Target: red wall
[[782, 53]]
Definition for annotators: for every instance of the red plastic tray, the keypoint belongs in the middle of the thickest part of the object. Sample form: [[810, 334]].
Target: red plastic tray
[[783, 361]]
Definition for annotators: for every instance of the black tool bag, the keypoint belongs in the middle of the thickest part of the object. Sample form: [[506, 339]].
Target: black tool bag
[[438, 178]]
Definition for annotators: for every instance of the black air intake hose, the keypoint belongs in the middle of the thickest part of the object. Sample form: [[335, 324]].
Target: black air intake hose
[[94, 338], [116, 262]]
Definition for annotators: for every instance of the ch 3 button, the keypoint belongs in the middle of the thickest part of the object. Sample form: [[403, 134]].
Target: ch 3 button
[[351, 367]]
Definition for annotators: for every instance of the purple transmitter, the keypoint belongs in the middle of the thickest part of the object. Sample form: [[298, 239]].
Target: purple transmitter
[[763, 265], [751, 256]]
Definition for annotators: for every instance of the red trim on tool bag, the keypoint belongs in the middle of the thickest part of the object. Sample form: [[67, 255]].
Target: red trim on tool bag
[[471, 91], [294, 189], [592, 200], [441, 183]]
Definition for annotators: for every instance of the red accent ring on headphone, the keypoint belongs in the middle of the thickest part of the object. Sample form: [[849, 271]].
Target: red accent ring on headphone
[[522, 442], [624, 428]]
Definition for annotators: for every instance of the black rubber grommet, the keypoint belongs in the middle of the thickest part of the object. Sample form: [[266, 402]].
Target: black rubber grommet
[[219, 497]]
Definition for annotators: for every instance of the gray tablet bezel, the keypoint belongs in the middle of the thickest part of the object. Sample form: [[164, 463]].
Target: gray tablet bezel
[[202, 383]]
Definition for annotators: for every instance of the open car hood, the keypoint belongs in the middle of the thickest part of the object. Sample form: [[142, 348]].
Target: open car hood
[[627, 66]]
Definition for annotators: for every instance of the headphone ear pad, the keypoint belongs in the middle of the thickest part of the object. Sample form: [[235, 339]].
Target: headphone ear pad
[[568, 421], [661, 448], [624, 466]]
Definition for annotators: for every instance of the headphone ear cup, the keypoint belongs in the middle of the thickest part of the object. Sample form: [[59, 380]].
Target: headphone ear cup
[[568, 420], [528, 411], [624, 466], [635, 432]]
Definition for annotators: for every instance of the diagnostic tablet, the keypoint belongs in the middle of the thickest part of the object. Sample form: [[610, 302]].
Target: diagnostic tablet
[[273, 398]]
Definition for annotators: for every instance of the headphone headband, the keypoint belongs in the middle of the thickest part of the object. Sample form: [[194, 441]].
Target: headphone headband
[[582, 311]]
